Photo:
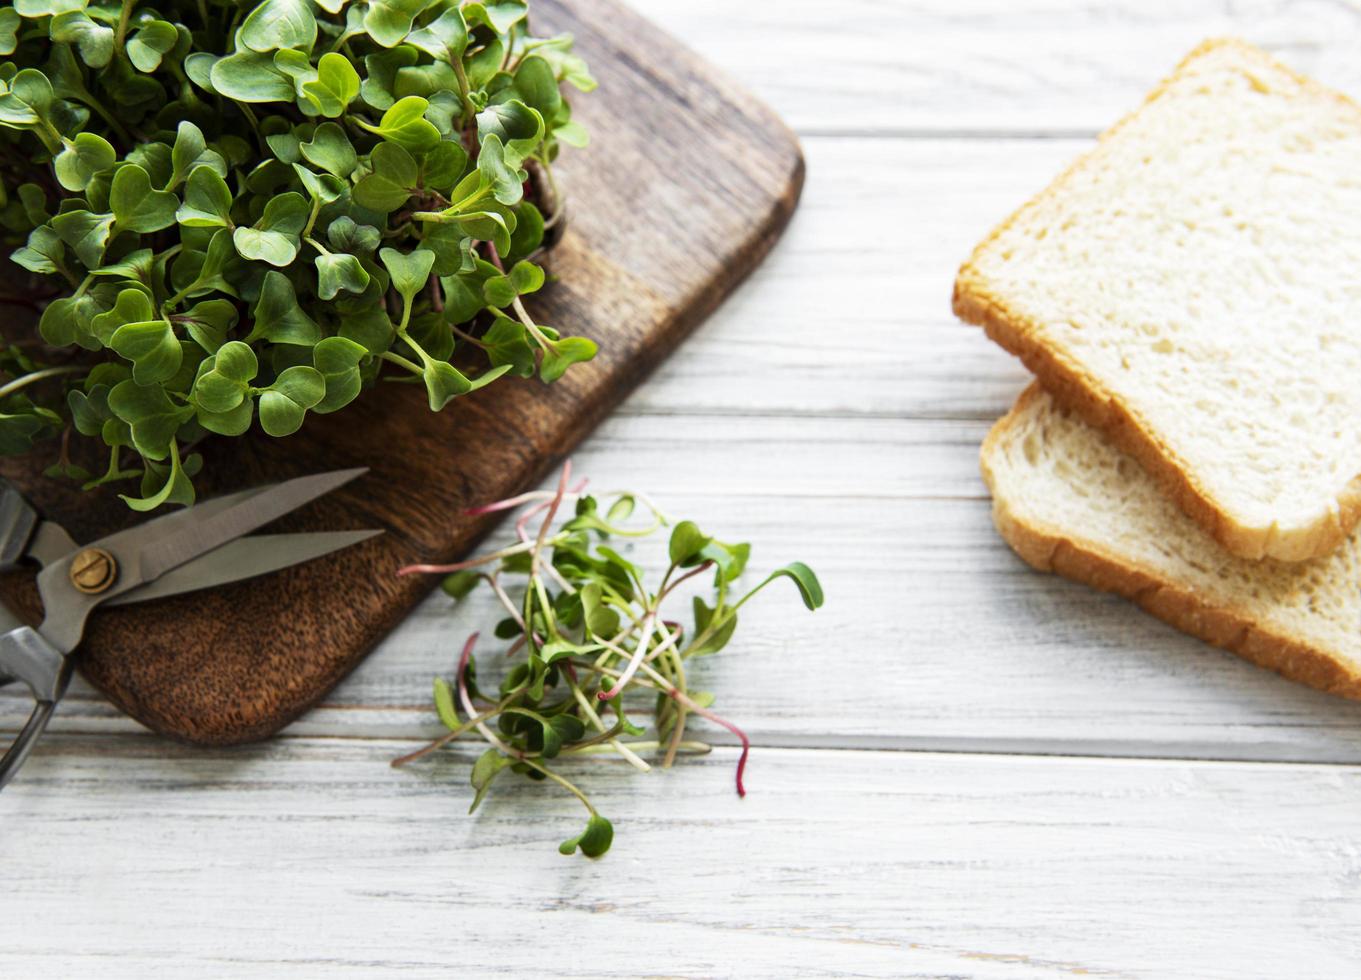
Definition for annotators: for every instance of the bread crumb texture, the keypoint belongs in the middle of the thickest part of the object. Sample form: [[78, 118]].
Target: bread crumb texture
[[1069, 501], [1193, 285]]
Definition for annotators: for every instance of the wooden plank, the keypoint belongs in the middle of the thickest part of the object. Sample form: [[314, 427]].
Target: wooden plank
[[717, 176], [836, 864], [850, 315], [934, 636], [989, 66]]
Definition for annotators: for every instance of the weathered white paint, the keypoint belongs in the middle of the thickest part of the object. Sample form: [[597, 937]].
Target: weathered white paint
[[312, 857]]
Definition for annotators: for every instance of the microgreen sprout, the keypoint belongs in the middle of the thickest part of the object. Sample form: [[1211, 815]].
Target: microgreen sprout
[[238, 213], [590, 642]]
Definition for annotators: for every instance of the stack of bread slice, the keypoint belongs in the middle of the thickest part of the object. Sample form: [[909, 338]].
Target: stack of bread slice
[[1188, 295]]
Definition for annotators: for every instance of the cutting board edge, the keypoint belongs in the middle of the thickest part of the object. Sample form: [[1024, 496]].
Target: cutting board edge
[[703, 304]]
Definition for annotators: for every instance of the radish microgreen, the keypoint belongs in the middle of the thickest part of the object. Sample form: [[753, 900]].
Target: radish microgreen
[[591, 645], [347, 190]]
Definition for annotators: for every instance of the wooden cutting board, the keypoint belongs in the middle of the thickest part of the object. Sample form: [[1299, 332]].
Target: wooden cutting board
[[687, 183]]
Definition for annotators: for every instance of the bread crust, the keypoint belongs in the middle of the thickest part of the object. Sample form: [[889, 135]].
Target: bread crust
[[1050, 549], [1078, 390]]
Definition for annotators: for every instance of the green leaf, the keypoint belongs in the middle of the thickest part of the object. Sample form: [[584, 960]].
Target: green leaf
[[209, 322], [444, 704], [345, 235], [86, 233], [719, 638], [211, 265], [250, 76], [154, 418], [277, 24], [191, 151], [730, 559], [518, 127], [20, 430], [136, 205], [389, 21], [499, 15], [331, 150], [507, 343], [810, 590], [444, 383], [151, 346], [278, 317], [82, 158], [44, 252], [573, 134], [444, 165], [67, 320], [336, 85], [405, 125], [337, 361], [392, 181], [538, 86], [207, 201], [459, 584], [377, 89], [274, 238], [507, 183], [9, 30], [687, 541], [564, 353], [152, 41], [444, 39], [28, 101], [594, 841], [322, 188], [93, 40], [177, 489], [131, 306], [370, 328], [284, 404], [409, 272], [223, 381], [485, 769], [339, 271], [600, 619]]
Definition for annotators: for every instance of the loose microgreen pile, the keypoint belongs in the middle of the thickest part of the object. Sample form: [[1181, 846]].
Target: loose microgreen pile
[[590, 645], [232, 210]]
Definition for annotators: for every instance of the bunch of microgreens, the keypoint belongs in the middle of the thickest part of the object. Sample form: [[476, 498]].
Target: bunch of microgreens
[[242, 209], [588, 633]]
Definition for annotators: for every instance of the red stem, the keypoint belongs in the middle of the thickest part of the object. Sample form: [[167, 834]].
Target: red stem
[[676, 695]]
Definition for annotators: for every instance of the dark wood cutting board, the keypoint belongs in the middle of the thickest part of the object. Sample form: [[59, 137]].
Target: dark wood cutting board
[[686, 185]]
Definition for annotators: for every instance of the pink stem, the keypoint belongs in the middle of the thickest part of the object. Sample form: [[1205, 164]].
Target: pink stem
[[508, 504], [676, 695], [552, 513]]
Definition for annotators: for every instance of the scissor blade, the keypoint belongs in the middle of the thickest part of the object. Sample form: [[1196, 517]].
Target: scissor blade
[[242, 559], [160, 552]]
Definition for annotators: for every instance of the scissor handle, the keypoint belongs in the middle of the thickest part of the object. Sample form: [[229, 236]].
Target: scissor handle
[[27, 657], [18, 521]]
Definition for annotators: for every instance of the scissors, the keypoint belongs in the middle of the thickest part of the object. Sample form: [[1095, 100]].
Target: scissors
[[196, 548]]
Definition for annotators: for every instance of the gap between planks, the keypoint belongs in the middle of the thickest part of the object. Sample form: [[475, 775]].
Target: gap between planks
[[413, 725]]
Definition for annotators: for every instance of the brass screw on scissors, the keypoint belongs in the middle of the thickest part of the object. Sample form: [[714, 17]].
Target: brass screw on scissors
[[93, 571]]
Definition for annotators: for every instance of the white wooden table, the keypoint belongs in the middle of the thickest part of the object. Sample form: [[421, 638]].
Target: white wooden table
[[962, 768]]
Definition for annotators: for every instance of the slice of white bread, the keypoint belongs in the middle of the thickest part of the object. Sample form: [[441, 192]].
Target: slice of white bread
[[1068, 501], [1192, 286]]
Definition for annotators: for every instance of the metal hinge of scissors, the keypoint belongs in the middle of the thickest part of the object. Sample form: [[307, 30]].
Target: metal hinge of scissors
[[196, 548]]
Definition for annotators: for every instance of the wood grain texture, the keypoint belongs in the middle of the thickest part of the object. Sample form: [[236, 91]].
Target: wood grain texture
[[301, 858], [690, 184], [967, 68]]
